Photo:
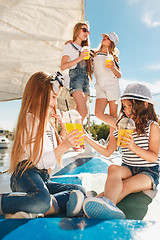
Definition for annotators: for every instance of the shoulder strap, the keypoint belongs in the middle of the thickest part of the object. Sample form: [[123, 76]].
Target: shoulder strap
[[75, 47]]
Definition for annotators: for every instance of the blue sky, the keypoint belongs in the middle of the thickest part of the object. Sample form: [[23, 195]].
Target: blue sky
[[137, 23]]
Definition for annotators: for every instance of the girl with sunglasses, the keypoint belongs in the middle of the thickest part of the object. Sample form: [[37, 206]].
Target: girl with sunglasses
[[36, 150], [79, 69], [107, 85]]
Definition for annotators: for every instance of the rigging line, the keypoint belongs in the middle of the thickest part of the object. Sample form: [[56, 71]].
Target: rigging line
[[85, 10], [29, 34], [82, 7]]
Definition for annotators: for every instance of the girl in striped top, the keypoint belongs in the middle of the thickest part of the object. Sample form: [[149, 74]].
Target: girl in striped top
[[140, 169]]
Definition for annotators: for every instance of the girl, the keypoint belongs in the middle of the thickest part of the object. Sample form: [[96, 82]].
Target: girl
[[140, 169], [79, 69], [107, 85], [36, 150]]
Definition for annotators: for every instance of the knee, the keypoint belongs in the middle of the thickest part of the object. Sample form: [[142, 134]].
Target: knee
[[42, 202], [113, 170]]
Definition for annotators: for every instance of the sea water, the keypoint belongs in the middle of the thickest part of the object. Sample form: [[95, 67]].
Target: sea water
[[5, 158]]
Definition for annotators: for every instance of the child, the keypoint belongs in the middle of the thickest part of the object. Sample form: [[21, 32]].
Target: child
[[79, 69], [140, 169], [36, 150], [107, 85]]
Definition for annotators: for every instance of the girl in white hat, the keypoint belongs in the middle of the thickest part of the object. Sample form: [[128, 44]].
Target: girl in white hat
[[140, 169], [107, 83]]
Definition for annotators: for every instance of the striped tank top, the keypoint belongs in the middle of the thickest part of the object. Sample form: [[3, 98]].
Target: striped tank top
[[129, 157]]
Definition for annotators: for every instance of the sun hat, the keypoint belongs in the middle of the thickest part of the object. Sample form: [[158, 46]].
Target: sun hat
[[136, 91], [112, 36]]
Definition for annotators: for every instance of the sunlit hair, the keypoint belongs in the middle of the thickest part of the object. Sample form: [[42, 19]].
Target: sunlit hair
[[111, 49], [36, 99], [141, 114], [76, 31]]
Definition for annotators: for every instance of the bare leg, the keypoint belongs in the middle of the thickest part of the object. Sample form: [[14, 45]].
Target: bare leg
[[113, 108], [137, 183], [81, 100], [101, 104], [50, 211], [120, 183], [114, 182]]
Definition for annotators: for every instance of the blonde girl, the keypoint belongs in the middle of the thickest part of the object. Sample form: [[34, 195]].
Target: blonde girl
[[107, 83], [79, 69], [36, 150]]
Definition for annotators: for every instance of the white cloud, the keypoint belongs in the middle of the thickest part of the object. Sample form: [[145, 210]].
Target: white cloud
[[150, 11], [150, 19], [154, 66]]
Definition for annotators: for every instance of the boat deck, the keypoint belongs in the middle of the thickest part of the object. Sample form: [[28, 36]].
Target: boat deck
[[89, 169]]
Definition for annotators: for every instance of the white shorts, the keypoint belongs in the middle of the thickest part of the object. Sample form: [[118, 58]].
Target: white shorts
[[110, 93]]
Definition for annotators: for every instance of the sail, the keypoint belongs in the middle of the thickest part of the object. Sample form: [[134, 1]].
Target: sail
[[32, 36]]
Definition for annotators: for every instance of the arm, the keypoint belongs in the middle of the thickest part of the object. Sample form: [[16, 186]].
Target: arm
[[65, 64], [70, 140], [116, 71], [105, 151], [150, 155]]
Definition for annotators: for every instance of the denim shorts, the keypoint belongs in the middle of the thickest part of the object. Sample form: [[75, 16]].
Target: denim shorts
[[79, 80], [151, 172]]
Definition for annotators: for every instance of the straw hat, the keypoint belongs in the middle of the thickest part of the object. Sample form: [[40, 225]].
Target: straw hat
[[136, 91]]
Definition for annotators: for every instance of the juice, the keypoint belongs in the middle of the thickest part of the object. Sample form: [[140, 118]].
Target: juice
[[121, 133], [87, 53], [72, 126], [107, 61], [87, 56]]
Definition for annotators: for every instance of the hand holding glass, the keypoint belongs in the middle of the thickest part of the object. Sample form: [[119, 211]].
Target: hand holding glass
[[126, 125], [72, 121], [87, 52]]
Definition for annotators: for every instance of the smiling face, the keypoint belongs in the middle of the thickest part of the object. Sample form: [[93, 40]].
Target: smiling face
[[106, 42], [53, 99], [127, 107], [83, 33]]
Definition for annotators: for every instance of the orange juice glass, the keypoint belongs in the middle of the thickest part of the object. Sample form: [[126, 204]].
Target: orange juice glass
[[72, 121], [72, 126], [123, 133], [87, 53], [125, 125]]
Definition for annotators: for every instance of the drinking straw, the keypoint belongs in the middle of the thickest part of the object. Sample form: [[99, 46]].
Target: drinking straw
[[68, 110]]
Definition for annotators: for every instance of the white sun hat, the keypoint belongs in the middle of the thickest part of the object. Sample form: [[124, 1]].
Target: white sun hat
[[112, 36], [136, 91]]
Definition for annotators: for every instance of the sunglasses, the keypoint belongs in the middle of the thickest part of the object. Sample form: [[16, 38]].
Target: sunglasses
[[85, 30]]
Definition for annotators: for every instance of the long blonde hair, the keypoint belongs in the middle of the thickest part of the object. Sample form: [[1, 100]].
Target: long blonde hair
[[76, 31], [35, 100], [112, 49]]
